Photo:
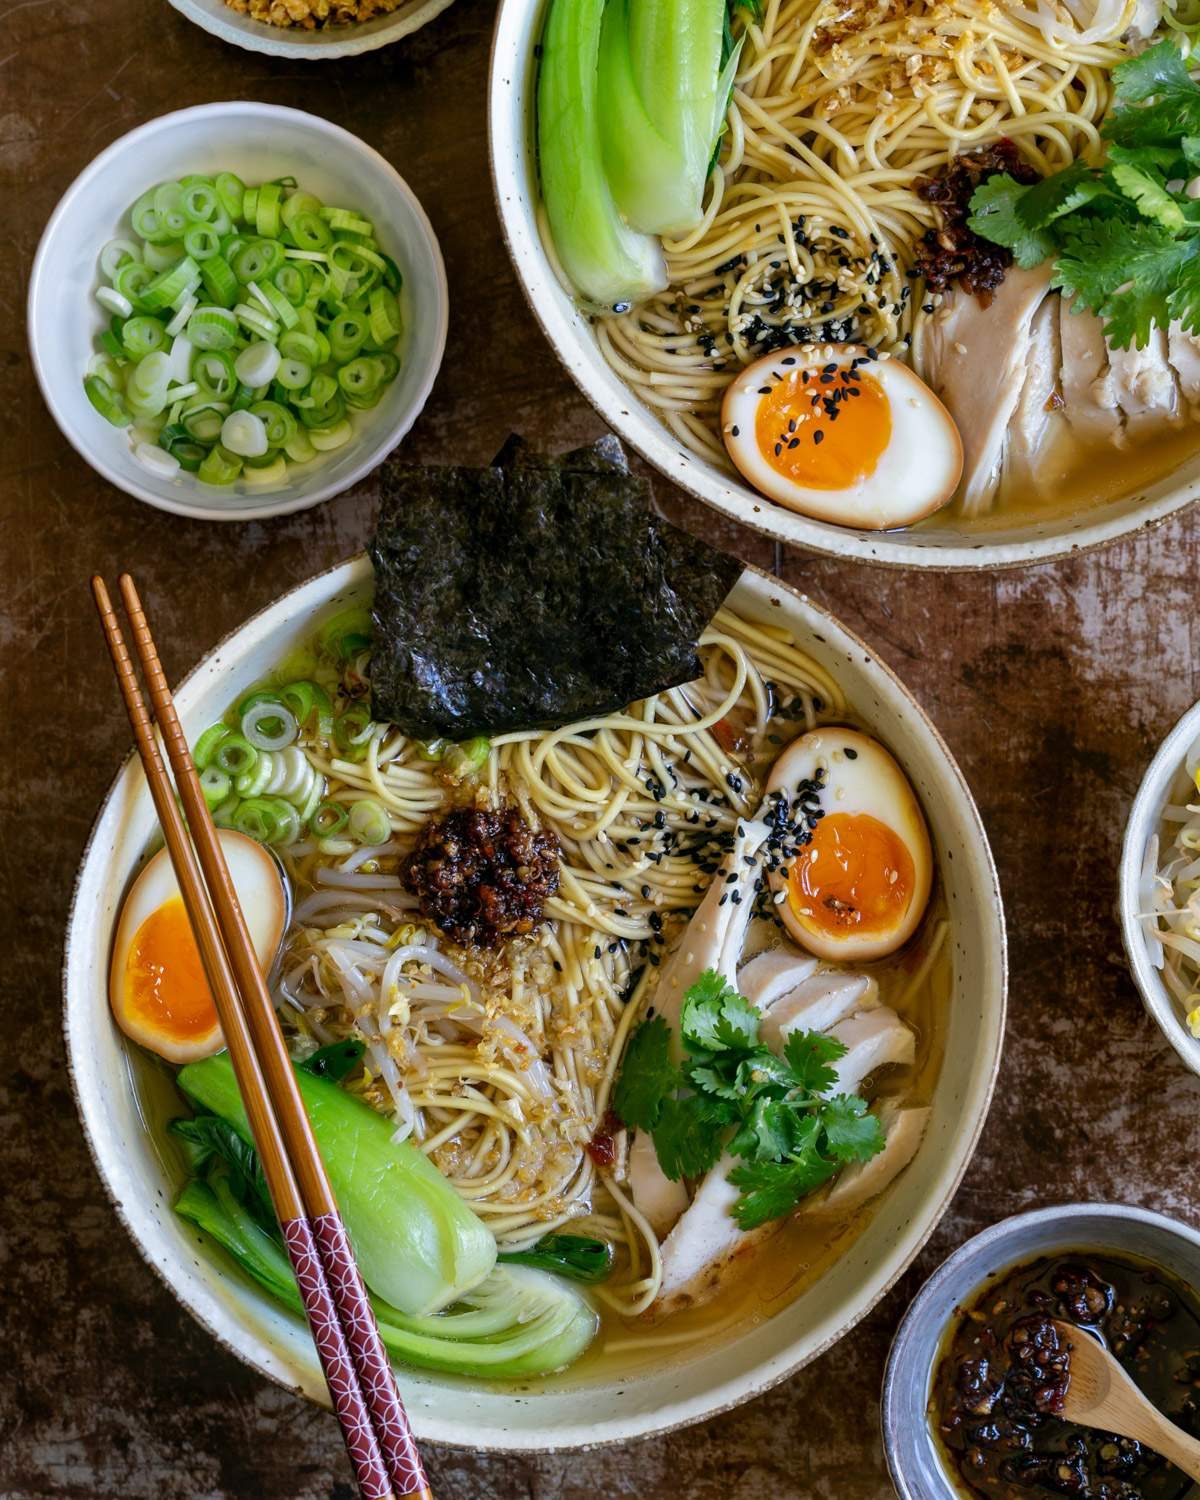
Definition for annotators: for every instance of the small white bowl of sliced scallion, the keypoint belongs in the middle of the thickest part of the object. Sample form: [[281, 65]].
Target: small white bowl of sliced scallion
[[237, 311]]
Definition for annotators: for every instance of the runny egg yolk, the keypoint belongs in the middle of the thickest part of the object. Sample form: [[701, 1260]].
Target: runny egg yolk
[[824, 428], [856, 876], [165, 983]]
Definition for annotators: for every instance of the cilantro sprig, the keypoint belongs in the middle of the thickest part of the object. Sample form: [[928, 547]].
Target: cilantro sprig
[[731, 1092], [1124, 236]]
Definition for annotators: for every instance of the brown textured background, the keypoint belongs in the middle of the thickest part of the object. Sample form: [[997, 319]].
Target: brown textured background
[[1052, 686]]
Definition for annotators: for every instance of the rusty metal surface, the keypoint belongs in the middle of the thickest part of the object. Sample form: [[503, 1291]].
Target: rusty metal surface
[[1052, 687]]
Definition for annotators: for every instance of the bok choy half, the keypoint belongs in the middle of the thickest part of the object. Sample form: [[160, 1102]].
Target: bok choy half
[[428, 1261], [632, 96]]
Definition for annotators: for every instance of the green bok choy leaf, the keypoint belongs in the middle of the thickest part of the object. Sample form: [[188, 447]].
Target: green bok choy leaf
[[609, 264], [664, 81], [516, 1322], [418, 1245]]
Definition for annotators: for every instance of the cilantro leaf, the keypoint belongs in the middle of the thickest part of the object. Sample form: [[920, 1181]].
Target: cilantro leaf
[[1061, 193], [851, 1134], [1157, 69], [767, 1132], [648, 1077], [809, 1055], [1183, 300], [771, 1189], [995, 214], [1152, 199], [688, 1138], [1123, 272], [715, 1017]]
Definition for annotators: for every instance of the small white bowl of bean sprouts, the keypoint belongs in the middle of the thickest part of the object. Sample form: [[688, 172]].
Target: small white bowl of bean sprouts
[[118, 299], [1160, 888]]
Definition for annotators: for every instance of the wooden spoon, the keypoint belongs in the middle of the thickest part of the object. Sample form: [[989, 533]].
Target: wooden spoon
[[1101, 1394]]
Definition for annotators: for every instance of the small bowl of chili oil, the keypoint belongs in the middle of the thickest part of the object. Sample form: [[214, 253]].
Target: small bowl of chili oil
[[976, 1376]]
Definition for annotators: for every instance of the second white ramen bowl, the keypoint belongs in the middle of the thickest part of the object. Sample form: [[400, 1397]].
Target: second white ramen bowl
[[117, 1089], [1164, 781], [940, 544]]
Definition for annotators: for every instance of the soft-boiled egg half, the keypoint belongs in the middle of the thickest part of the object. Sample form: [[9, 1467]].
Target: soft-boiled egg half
[[156, 983], [859, 888], [838, 433]]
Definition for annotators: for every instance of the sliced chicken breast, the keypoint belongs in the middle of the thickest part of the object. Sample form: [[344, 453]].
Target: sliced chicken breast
[[816, 1004], [770, 975], [976, 359], [1037, 422], [874, 1039], [903, 1130], [654, 1194], [1183, 351], [1089, 402], [706, 1247], [1144, 385]]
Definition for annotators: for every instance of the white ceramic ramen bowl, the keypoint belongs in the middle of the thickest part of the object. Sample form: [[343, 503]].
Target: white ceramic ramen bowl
[[1159, 786], [117, 1090], [917, 1466], [312, 46], [937, 544], [258, 142]]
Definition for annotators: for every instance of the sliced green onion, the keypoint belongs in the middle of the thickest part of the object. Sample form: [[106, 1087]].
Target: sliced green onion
[[266, 216], [270, 820], [326, 439], [304, 698], [299, 447], [279, 306], [180, 321], [201, 242], [199, 201], [467, 758], [328, 820], [299, 203], [223, 816], [219, 467], [229, 188], [146, 388], [235, 753], [261, 472], [212, 328], [361, 377], [292, 281], [256, 322], [301, 346], [257, 259], [351, 732], [132, 279], [310, 232], [203, 423], [319, 418], [280, 424], [369, 822], [347, 334], [143, 335], [431, 750], [220, 284], [213, 372], [293, 374], [115, 254], [256, 365], [253, 783], [389, 365], [216, 786], [384, 316], [342, 219], [113, 302], [207, 744], [244, 434], [147, 222], [168, 203], [169, 286], [156, 460], [106, 401]]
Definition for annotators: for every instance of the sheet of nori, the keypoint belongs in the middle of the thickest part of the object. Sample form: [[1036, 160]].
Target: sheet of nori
[[531, 596]]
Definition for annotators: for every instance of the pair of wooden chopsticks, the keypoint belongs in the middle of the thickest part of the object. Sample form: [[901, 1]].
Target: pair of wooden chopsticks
[[386, 1462]]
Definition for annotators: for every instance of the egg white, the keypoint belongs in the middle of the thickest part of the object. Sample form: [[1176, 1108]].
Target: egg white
[[260, 890], [917, 472], [865, 781]]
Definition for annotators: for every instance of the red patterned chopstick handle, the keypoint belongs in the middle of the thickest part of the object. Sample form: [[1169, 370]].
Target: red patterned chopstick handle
[[375, 1375], [341, 1375]]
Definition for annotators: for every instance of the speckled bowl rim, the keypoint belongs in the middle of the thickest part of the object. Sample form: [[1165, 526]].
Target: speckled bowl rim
[[324, 46], [784, 1367], [906, 1351], [561, 323], [1145, 818], [374, 447]]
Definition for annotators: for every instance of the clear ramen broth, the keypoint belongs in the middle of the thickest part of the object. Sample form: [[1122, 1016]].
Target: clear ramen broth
[[499, 1062]]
